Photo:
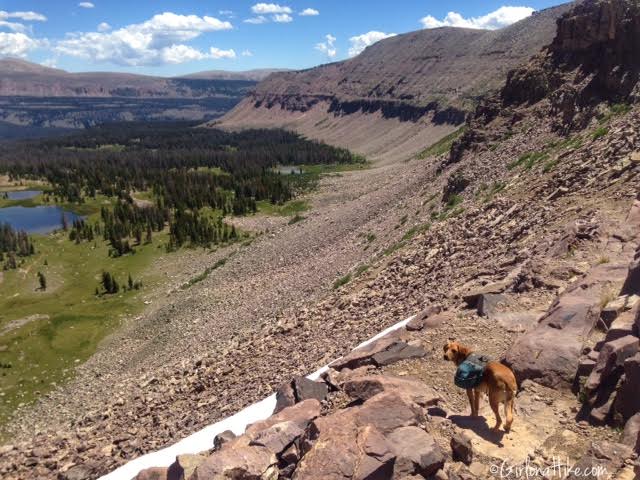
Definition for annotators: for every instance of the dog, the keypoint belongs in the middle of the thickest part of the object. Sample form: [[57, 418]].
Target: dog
[[498, 382]]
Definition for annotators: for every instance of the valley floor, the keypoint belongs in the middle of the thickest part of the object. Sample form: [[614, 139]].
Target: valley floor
[[377, 246]]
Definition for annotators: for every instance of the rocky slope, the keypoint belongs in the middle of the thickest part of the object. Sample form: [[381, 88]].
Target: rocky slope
[[402, 93], [525, 238]]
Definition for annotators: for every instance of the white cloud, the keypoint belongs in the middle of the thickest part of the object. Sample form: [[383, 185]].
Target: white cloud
[[256, 20], [217, 53], [328, 46], [360, 42], [86, 5], [104, 27], [247, 53], [264, 8], [226, 13], [16, 27], [282, 18], [309, 12], [16, 44], [26, 16], [499, 18], [154, 42]]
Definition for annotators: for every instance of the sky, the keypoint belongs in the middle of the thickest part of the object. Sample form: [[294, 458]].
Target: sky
[[175, 37]]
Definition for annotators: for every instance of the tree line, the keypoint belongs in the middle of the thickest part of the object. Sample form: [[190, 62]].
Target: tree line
[[13, 243], [186, 170]]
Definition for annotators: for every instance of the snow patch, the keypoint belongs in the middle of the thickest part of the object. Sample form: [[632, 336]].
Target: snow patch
[[202, 440]]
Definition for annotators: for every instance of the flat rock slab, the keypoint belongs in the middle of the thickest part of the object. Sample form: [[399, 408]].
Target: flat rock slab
[[384, 351], [397, 352], [366, 387]]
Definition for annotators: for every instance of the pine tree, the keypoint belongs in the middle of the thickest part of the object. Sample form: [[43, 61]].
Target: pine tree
[[42, 280]]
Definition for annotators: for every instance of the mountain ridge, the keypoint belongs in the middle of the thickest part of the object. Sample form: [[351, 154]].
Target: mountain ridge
[[418, 83]]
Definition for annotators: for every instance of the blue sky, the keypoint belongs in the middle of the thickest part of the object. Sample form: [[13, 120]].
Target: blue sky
[[171, 37]]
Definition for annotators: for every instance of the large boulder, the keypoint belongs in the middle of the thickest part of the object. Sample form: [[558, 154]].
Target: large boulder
[[351, 443], [472, 295], [550, 352], [612, 357], [603, 457], [298, 390], [416, 452], [241, 462], [343, 449], [388, 411], [277, 438], [301, 414]]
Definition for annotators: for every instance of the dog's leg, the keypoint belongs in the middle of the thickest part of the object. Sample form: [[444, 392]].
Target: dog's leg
[[508, 411], [494, 401], [472, 403], [476, 400]]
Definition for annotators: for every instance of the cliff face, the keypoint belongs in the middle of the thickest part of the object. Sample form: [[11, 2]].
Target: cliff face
[[593, 59], [419, 83], [591, 64]]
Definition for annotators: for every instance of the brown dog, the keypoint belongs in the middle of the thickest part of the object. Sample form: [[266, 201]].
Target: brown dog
[[498, 381]]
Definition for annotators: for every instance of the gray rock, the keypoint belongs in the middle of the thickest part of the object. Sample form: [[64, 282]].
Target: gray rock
[[222, 438], [628, 399], [153, 473], [184, 466], [631, 435], [416, 452], [461, 448], [278, 437], [612, 356], [549, 353], [298, 390]]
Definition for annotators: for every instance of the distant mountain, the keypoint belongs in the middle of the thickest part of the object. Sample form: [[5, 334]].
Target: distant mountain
[[35, 98], [383, 99], [19, 77], [256, 75]]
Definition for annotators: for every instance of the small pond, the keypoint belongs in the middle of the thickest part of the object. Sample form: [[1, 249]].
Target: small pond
[[22, 194], [43, 219]]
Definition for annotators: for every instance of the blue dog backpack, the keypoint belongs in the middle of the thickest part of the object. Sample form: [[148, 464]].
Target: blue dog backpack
[[469, 373]]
